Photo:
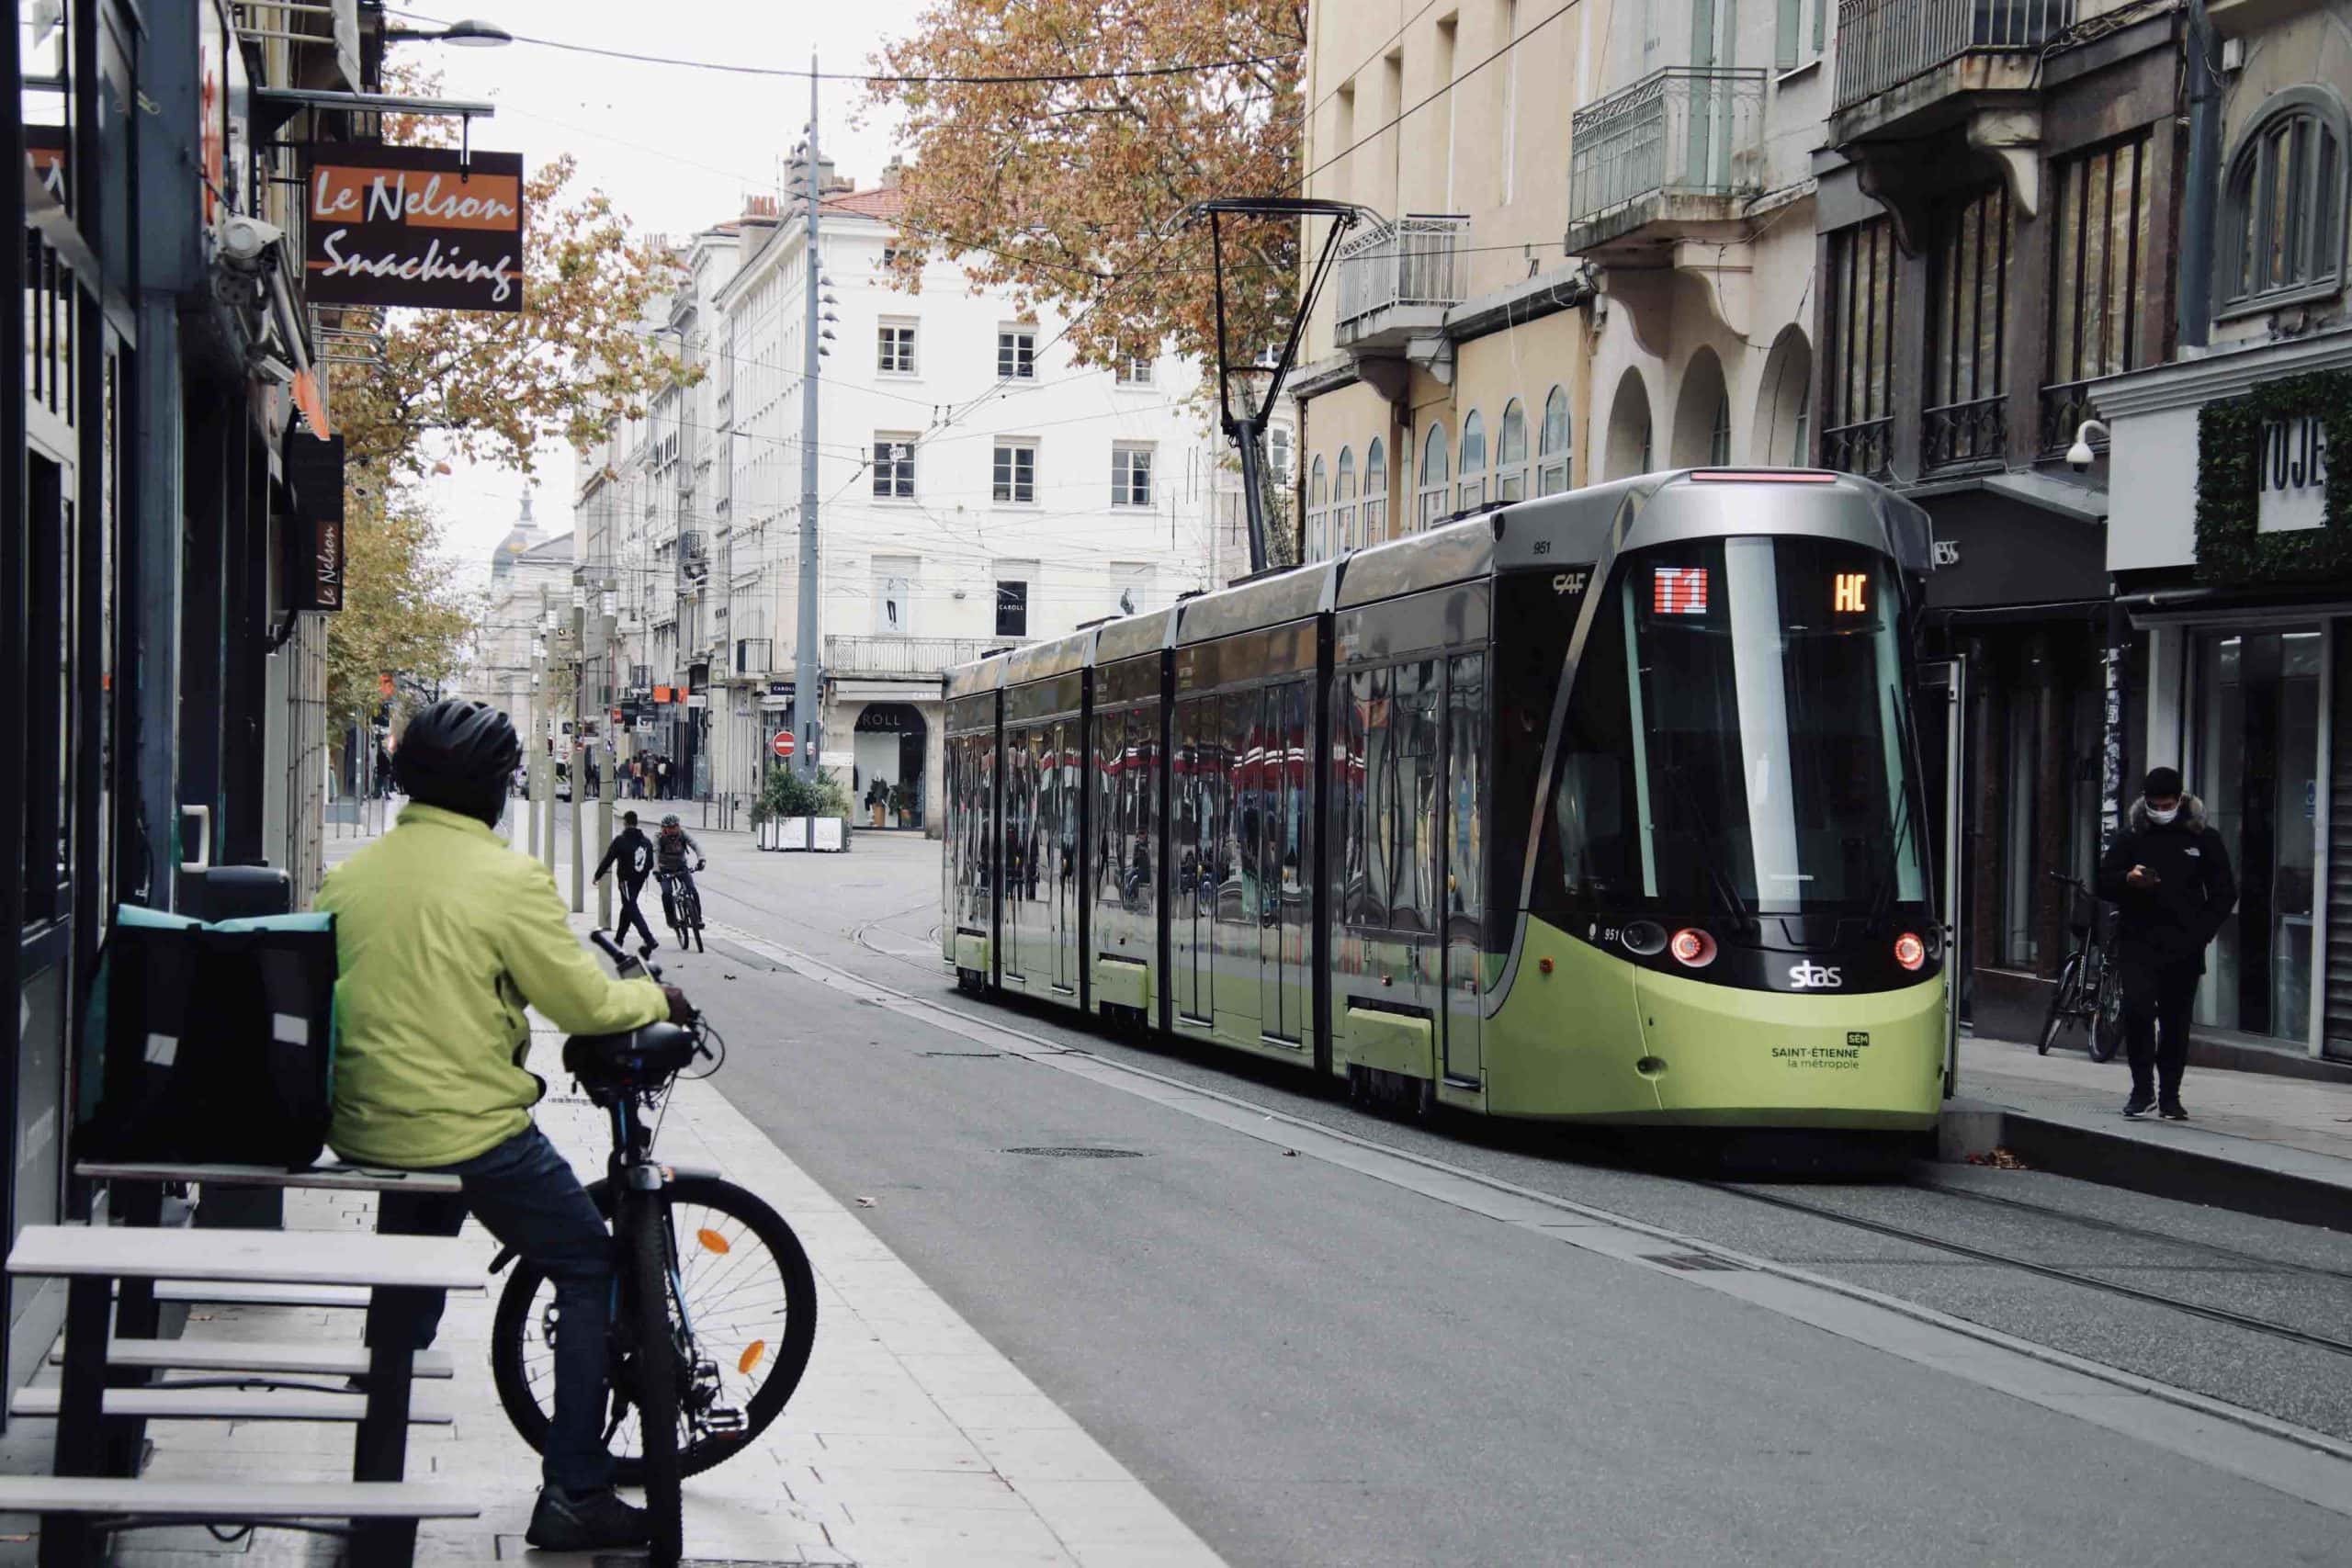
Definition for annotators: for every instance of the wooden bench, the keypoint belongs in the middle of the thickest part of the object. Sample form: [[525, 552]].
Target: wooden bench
[[403, 1272]]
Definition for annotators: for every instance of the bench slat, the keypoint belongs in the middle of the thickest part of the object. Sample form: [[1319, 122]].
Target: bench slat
[[285, 1257], [341, 1178], [200, 1293], [165, 1403], [235, 1499], [259, 1356]]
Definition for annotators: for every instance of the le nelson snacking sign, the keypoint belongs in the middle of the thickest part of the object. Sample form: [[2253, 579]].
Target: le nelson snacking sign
[[410, 226]]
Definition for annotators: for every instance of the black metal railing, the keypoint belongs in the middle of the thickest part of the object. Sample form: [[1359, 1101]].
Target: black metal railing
[[1865, 447], [1885, 43], [1974, 432]]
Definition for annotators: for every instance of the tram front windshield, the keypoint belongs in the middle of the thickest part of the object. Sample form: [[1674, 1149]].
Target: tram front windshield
[[1736, 738]]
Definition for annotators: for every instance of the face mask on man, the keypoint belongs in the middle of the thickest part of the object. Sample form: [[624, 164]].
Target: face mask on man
[[2163, 815]]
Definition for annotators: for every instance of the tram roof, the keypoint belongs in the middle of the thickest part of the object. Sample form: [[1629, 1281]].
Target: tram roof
[[1044, 661], [982, 675]]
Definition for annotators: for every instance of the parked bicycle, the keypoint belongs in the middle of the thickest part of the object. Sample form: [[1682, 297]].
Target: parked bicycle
[[2090, 987], [714, 1307]]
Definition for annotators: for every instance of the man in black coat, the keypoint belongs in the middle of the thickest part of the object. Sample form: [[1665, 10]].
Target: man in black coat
[[2168, 876], [632, 852]]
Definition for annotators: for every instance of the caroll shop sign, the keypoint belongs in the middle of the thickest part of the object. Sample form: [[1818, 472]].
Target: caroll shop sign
[[414, 226]]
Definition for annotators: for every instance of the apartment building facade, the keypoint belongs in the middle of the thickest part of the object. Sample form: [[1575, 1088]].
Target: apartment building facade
[[2226, 537], [976, 489]]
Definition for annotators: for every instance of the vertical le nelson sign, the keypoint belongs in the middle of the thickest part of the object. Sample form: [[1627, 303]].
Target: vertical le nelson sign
[[410, 226]]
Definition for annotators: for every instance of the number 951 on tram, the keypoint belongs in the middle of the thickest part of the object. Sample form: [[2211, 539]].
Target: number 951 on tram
[[1602, 806]]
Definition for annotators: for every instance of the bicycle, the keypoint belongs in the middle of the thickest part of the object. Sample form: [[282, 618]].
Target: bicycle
[[715, 1306], [2090, 987], [681, 906]]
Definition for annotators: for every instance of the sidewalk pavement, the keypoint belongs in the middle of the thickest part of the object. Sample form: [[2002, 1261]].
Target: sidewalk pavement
[[2257, 1141], [911, 1440]]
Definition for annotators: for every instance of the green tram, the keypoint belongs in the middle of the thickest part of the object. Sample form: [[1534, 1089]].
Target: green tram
[[1602, 806]]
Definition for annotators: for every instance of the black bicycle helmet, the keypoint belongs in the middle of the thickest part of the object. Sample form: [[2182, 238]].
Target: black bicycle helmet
[[460, 756]]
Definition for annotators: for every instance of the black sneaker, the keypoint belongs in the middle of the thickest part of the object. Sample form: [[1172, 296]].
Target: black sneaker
[[2173, 1111], [585, 1521], [645, 949], [2138, 1106]]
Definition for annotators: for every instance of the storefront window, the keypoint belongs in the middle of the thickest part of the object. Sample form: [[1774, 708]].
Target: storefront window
[[2256, 766]]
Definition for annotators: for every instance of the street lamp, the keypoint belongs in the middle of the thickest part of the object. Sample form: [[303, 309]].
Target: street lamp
[[469, 32]]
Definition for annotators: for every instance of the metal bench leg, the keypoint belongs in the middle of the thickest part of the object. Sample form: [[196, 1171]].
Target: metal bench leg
[[380, 1451], [136, 1316], [80, 1428]]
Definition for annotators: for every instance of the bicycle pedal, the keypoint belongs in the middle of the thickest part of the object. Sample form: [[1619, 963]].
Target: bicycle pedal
[[724, 1423]]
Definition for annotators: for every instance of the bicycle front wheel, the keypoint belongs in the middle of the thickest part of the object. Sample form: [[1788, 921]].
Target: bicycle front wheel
[[2106, 1015], [747, 1299], [2062, 1004]]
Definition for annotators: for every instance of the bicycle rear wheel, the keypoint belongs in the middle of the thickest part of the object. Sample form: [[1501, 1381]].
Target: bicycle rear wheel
[[2106, 1015], [750, 1301], [655, 1366]]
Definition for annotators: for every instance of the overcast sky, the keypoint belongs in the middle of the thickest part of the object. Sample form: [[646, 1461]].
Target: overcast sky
[[676, 148]]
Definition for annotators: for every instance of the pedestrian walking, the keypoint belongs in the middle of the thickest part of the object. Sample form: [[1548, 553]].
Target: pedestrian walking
[[632, 852], [2168, 876], [661, 773]]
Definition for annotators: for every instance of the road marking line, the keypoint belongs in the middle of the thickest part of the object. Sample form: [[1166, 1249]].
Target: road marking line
[[2277, 1454]]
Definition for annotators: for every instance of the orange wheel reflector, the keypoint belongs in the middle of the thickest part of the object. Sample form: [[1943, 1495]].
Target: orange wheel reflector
[[712, 1241], [750, 1357]]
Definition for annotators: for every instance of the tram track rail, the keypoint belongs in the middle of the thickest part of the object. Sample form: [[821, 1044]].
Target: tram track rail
[[1917, 1237], [2253, 1261]]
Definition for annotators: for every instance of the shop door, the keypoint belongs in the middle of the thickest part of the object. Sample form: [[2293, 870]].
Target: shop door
[[1939, 710]]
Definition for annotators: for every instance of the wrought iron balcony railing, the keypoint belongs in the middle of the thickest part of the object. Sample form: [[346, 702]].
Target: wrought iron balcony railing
[[1958, 434], [1412, 261], [1681, 131], [1883, 43], [1865, 447], [903, 656]]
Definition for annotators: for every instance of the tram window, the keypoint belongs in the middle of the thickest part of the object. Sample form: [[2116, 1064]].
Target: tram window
[[1465, 796], [1350, 695], [1237, 841], [1138, 779], [1380, 810]]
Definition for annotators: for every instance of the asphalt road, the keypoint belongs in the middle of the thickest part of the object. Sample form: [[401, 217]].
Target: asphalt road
[[1315, 1367]]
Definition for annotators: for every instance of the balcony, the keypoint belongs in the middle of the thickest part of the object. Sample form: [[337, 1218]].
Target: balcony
[[901, 658], [1676, 152], [1396, 282], [1909, 65]]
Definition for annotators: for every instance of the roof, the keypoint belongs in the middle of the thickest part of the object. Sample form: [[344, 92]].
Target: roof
[[883, 202]]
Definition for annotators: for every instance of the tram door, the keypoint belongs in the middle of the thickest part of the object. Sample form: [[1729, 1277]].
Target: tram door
[[1464, 878], [1020, 853], [1279, 758], [1941, 707], [1199, 778], [1061, 786]]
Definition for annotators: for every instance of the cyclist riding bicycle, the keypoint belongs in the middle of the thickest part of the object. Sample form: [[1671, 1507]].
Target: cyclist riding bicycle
[[445, 934], [670, 848]]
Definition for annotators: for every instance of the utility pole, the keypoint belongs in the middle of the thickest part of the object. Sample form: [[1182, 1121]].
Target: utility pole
[[807, 675], [578, 748], [532, 769]]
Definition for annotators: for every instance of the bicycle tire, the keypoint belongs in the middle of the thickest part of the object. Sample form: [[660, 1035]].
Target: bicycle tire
[[655, 1364], [2062, 1004], [2106, 1015], [791, 1349]]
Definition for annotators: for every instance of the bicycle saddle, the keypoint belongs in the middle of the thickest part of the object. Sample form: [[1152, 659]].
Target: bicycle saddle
[[638, 1056]]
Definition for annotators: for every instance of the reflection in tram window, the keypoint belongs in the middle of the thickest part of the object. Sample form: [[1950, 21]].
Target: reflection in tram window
[[1750, 757]]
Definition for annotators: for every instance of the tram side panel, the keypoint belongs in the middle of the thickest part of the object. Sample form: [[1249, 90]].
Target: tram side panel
[[1122, 862], [1241, 837], [1044, 781], [968, 930], [1408, 820]]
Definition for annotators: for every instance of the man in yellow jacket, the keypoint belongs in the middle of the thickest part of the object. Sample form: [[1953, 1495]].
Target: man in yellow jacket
[[445, 934]]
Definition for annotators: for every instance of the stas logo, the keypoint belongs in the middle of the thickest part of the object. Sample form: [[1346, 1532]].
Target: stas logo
[[1811, 976]]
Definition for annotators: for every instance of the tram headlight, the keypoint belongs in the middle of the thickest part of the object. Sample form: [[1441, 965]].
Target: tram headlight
[[1692, 948], [1909, 951]]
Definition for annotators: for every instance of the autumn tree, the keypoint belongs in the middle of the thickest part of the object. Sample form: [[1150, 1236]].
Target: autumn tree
[[404, 610], [1068, 190]]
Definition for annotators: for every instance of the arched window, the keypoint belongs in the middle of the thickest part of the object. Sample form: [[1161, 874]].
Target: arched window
[[1552, 446], [1510, 454], [2283, 208], [1436, 471], [1319, 500], [1375, 491], [1473, 491], [1719, 437], [1343, 502]]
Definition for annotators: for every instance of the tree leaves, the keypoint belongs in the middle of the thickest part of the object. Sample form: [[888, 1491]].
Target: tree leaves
[[1069, 192]]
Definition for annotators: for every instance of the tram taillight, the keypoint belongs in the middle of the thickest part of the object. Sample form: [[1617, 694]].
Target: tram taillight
[[1692, 948], [1909, 951]]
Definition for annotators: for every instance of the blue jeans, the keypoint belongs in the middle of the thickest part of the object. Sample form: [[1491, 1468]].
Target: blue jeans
[[526, 1195]]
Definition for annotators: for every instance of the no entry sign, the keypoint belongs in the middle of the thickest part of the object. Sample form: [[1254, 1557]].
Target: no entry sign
[[783, 743]]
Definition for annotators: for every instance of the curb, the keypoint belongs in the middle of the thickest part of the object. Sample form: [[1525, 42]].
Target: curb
[[2160, 1167]]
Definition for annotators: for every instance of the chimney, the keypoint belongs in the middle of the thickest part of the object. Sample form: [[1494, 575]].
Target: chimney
[[893, 172]]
